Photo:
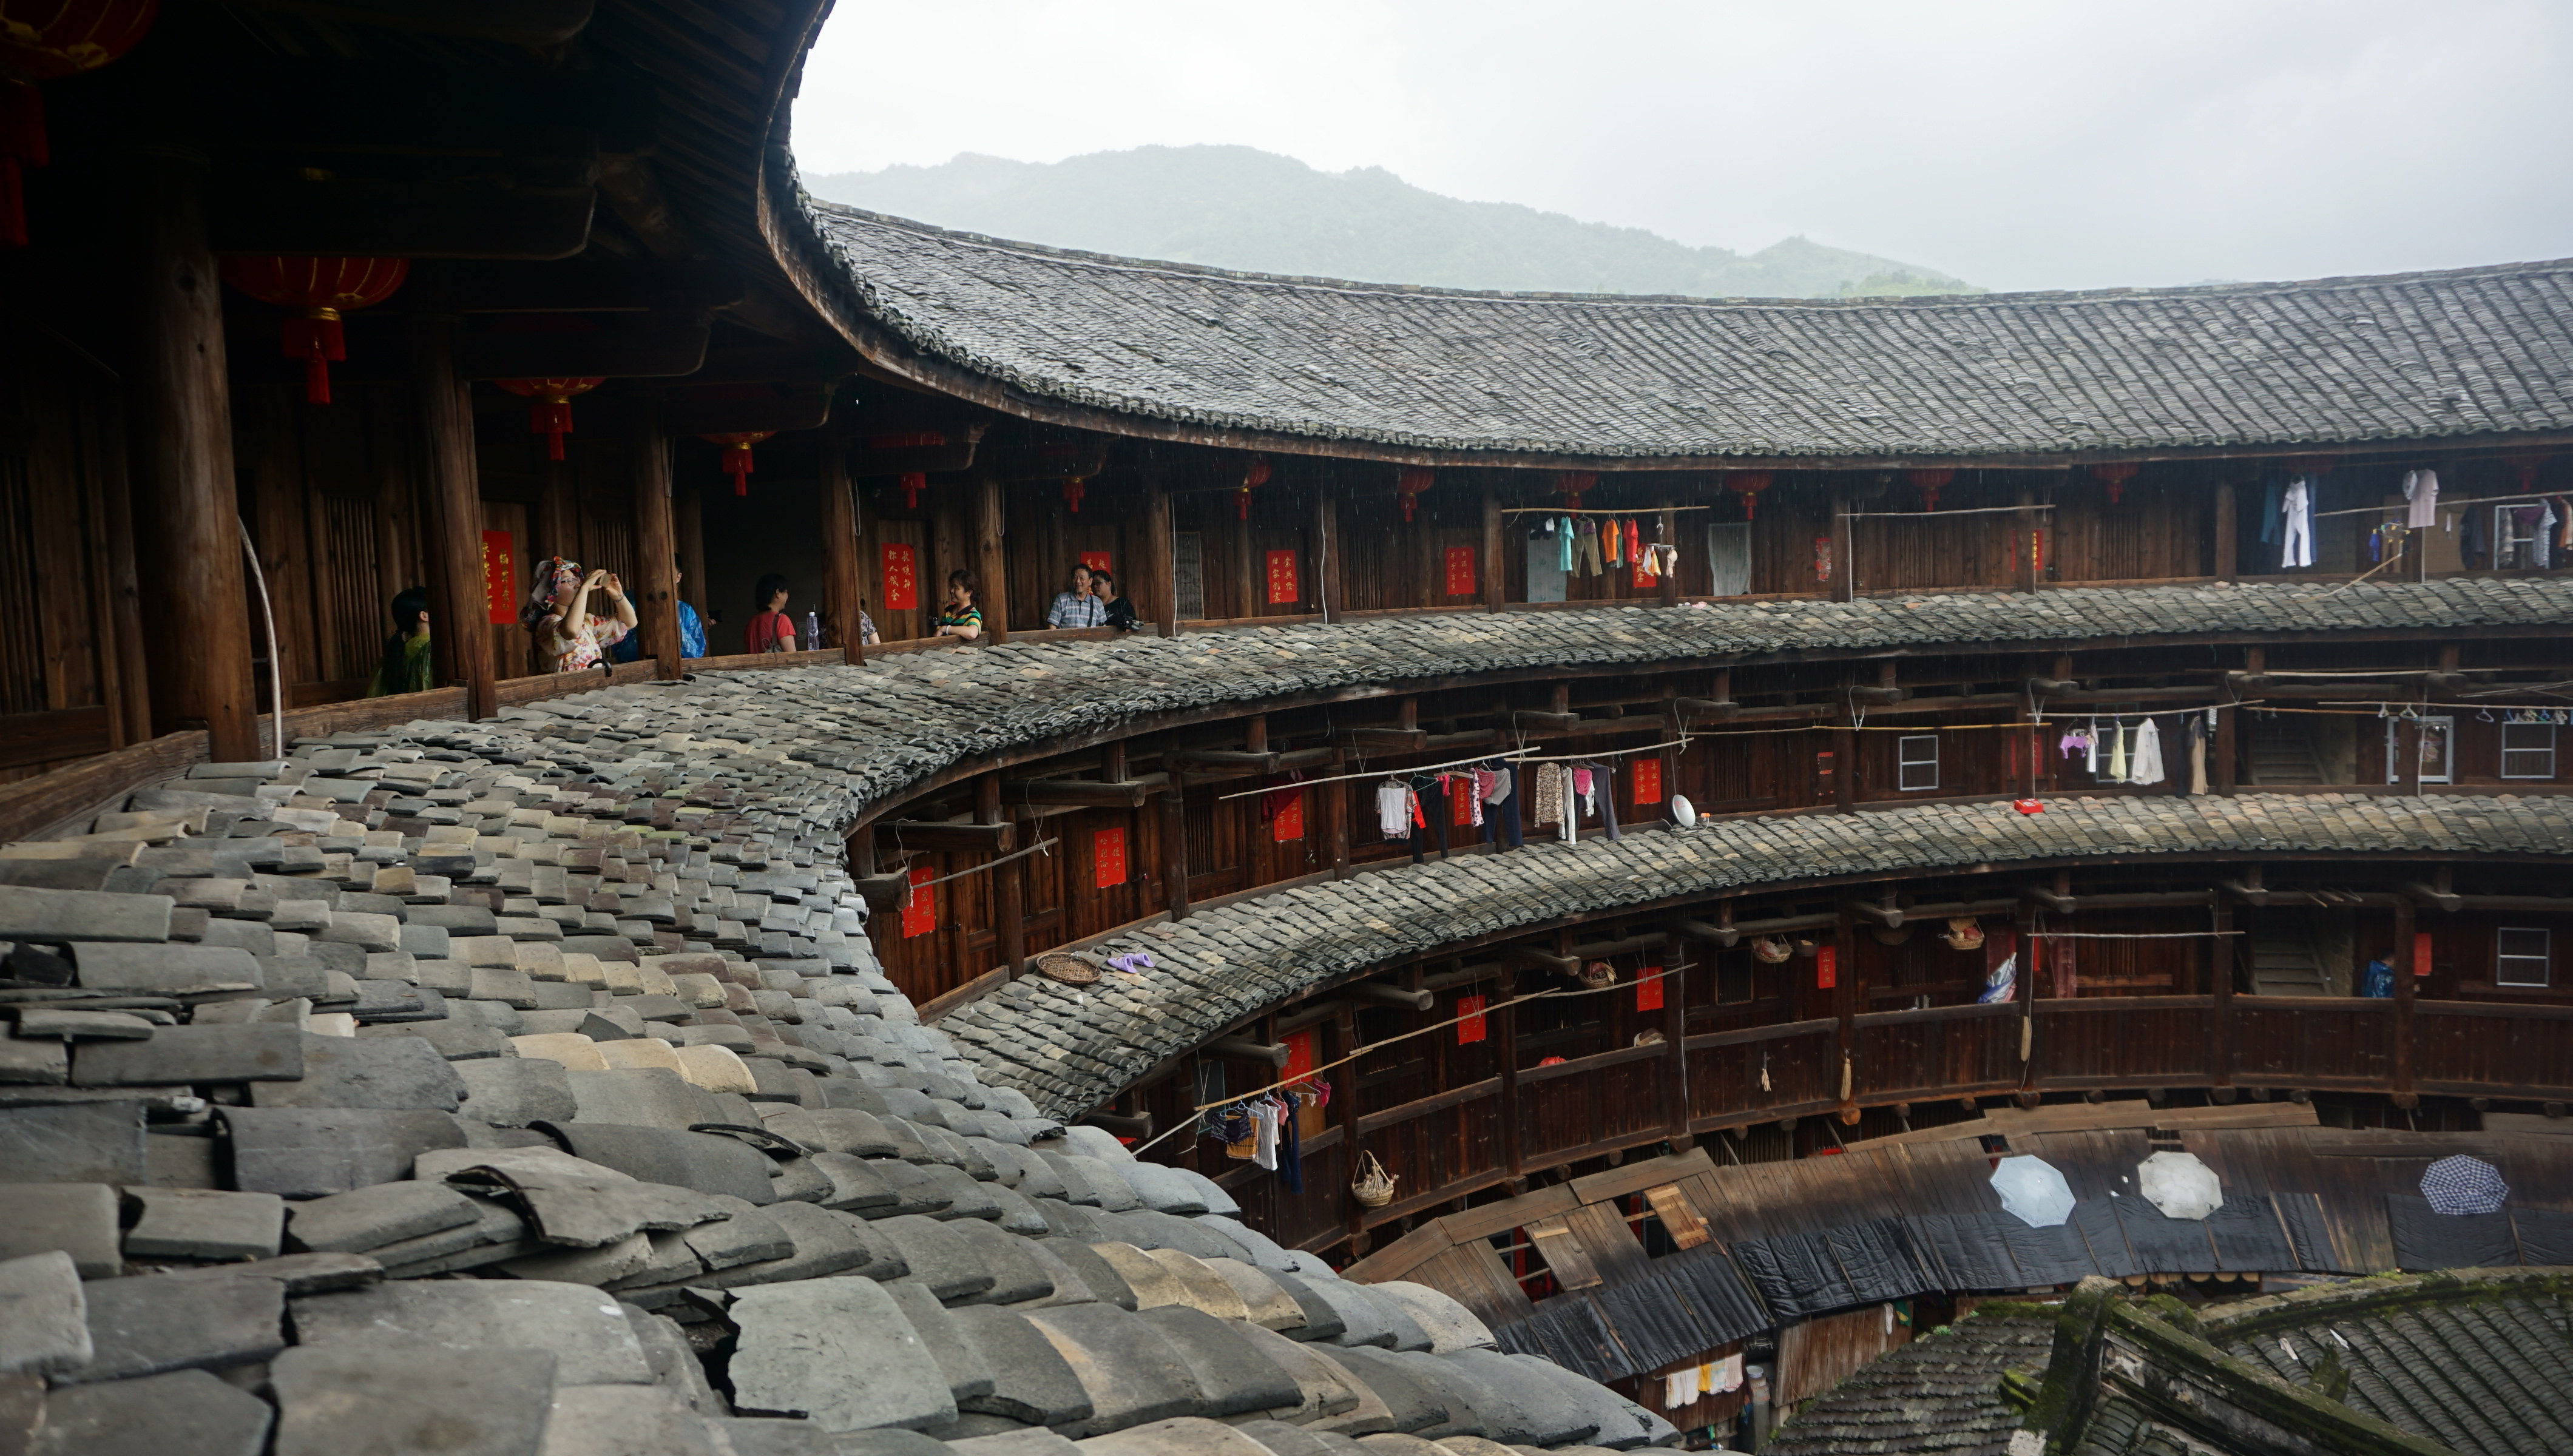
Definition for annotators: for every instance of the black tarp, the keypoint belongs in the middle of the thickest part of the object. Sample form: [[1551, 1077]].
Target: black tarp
[[2545, 1235], [2248, 1236], [2427, 1240], [2317, 1253], [2098, 1222], [1968, 1251], [2162, 1244], [2055, 1255], [1796, 1275], [1877, 1258]]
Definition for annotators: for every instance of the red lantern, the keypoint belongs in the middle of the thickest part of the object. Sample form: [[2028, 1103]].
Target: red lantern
[[1931, 483], [320, 290], [913, 483], [1256, 476], [1573, 484], [1073, 491], [550, 412], [1411, 483], [2028, 805], [2116, 477], [46, 40], [1748, 484], [736, 455]]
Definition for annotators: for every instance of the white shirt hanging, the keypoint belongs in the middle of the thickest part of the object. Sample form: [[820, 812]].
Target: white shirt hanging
[[2146, 766]]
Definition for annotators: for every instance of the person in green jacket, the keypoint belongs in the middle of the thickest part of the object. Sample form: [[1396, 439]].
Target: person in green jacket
[[406, 667]]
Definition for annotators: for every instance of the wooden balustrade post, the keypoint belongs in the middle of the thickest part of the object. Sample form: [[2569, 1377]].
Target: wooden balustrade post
[[453, 488], [1174, 847], [2221, 1040], [1009, 913], [2400, 959], [656, 577], [1844, 559], [1159, 567], [2221, 543], [842, 593], [186, 499], [1675, 1087], [1504, 1025], [1495, 538], [1344, 1096]]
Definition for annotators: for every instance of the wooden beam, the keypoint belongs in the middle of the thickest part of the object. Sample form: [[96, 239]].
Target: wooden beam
[[952, 836], [2400, 958], [1844, 567], [2222, 538], [990, 565], [1273, 1052], [882, 892], [1884, 915], [1493, 538], [843, 588], [1175, 850], [422, 217], [1234, 760], [1009, 906], [589, 285], [655, 345], [1531, 956], [532, 23], [657, 542], [1079, 793], [2023, 546], [1380, 994], [1385, 740], [452, 482], [1329, 576], [1159, 571], [182, 456], [1694, 709], [2059, 903], [784, 407]]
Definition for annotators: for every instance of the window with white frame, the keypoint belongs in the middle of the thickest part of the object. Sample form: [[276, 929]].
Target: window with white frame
[[2435, 742], [1916, 757], [2521, 956], [2528, 750]]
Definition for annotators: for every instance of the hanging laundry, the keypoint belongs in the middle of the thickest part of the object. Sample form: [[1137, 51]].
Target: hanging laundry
[[2076, 743], [2148, 755], [1588, 553], [1393, 810], [2198, 754], [1264, 1119], [1724, 1376], [1581, 786], [1564, 539], [2472, 548], [1291, 1152], [2421, 489], [2297, 548], [2273, 496], [1608, 786], [1634, 542], [2117, 752], [1680, 1388], [1549, 795], [1612, 544], [2091, 738]]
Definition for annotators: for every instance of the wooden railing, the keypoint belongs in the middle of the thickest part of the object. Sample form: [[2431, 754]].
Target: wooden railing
[[1459, 1142]]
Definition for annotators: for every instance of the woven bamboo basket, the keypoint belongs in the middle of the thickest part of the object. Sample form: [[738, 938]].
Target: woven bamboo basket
[[1070, 970], [1772, 950], [1598, 975], [1375, 1186]]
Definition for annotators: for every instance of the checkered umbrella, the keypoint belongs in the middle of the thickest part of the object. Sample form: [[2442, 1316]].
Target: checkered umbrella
[[2462, 1184]]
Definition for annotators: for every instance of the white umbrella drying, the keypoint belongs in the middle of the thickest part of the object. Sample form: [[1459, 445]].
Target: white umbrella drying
[[2032, 1192], [2180, 1185]]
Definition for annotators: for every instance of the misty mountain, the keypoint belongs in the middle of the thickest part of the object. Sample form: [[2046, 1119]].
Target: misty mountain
[[1241, 208]]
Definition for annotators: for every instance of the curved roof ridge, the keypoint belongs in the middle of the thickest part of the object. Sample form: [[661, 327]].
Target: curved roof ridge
[[1909, 303]]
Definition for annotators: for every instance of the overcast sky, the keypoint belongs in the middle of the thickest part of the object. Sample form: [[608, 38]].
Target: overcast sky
[[2067, 144]]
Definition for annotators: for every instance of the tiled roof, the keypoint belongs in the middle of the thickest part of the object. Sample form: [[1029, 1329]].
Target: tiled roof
[[1070, 1050], [848, 740], [429, 1104], [2398, 357], [1939, 1395]]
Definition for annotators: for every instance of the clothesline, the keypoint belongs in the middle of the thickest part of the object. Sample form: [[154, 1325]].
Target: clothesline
[[1971, 510], [1560, 510], [2460, 506], [1512, 756], [1042, 843], [2047, 934]]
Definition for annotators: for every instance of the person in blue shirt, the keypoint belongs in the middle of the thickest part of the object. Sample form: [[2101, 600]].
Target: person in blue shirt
[[1078, 607], [692, 633]]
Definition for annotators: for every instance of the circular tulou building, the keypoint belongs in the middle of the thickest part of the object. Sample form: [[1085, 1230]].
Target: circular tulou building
[[1963, 874]]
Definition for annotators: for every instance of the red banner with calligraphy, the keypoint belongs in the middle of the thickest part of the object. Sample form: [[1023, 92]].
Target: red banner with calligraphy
[[1642, 576], [1647, 773], [901, 577], [1648, 989], [1460, 803], [1108, 858], [1095, 561], [1826, 967], [920, 909], [2420, 953], [1471, 1028], [499, 577], [1281, 579], [1286, 821], [1460, 571]]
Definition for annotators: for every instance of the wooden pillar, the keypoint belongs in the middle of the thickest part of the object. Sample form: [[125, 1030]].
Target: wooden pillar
[[1328, 578], [2024, 551], [843, 595], [1845, 760], [1175, 848], [122, 616], [1844, 563], [1009, 902], [1495, 535], [2400, 958], [1335, 812], [656, 596], [1670, 581], [1845, 1008], [1159, 571], [195, 590], [2220, 1049], [988, 563], [2222, 539], [1246, 570], [453, 486], [689, 521], [1504, 1024], [2226, 746], [1344, 1096], [1675, 1038], [2406, 777]]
